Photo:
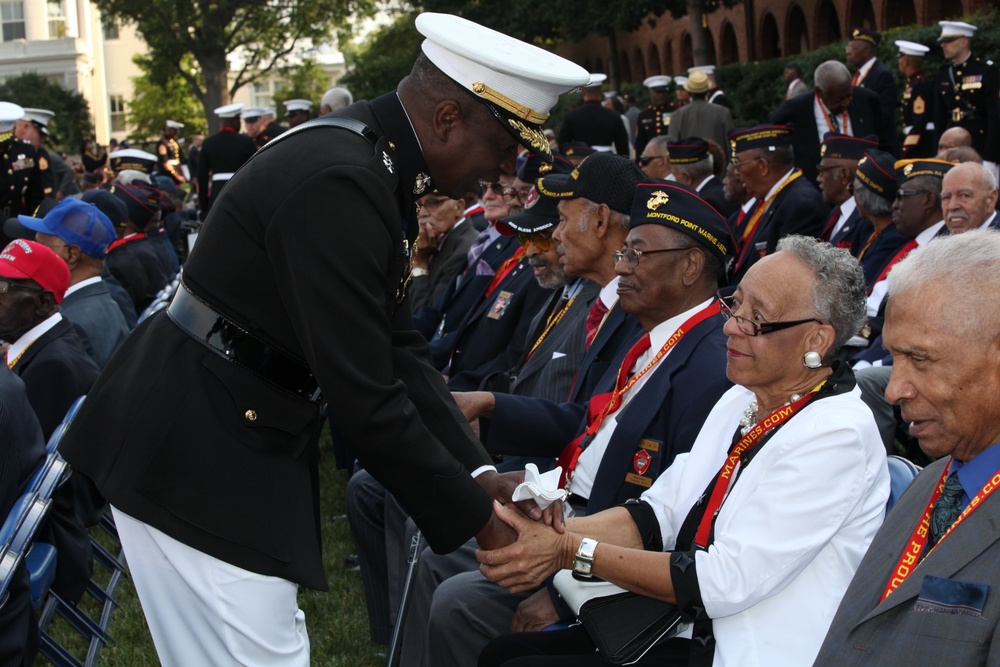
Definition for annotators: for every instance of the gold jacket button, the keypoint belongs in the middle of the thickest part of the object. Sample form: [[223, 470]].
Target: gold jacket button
[[250, 415]]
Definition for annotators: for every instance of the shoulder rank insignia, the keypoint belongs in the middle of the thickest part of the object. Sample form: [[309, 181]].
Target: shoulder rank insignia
[[387, 161]]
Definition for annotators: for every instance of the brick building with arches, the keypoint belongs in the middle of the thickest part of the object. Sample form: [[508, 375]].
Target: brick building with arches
[[756, 30]]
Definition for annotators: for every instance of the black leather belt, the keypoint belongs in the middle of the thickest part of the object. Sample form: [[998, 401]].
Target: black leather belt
[[238, 346]]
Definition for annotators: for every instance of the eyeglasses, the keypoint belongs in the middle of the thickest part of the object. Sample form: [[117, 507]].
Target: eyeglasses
[[909, 193], [727, 304], [518, 193], [631, 255], [540, 240], [496, 188], [738, 164], [6, 285], [646, 159], [431, 204]]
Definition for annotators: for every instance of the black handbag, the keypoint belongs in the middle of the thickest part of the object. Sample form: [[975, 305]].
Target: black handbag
[[626, 626]]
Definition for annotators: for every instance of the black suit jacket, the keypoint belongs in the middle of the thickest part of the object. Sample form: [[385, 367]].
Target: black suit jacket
[[866, 117], [797, 209], [880, 81], [211, 455], [445, 263], [714, 193], [92, 310], [56, 370]]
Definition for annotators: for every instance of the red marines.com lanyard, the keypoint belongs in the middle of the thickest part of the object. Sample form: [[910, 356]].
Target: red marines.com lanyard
[[747, 442], [597, 413], [505, 269], [918, 541]]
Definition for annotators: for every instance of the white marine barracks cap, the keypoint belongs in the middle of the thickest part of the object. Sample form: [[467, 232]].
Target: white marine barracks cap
[[297, 105], [39, 118], [911, 48], [269, 111], [9, 112], [954, 29], [518, 82], [707, 69], [596, 80], [229, 111], [681, 81], [658, 81], [251, 112], [175, 124], [132, 158]]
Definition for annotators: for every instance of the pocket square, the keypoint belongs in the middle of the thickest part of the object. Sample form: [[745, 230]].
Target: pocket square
[[558, 355], [949, 596]]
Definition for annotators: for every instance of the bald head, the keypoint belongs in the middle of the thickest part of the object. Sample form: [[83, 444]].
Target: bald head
[[953, 137]]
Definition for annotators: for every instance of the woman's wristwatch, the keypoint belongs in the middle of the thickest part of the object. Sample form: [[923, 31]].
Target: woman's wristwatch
[[583, 564]]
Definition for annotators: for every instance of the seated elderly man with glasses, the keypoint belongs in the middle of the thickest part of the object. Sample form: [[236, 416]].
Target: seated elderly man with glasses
[[755, 534], [444, 239]]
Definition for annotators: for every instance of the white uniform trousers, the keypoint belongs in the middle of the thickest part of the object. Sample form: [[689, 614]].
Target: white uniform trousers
[[203, 611]]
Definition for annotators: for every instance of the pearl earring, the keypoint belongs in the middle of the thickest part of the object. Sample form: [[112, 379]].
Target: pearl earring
[[812, 360]]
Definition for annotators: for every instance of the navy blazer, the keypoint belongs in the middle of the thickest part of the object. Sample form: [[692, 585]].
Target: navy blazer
[[662, 420], [492, 338], [880, 81], [714, 193], [98, 320], [852, 233], [866, 117]]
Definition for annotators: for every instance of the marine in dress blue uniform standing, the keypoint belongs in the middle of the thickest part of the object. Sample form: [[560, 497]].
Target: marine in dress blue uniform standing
[[222, 155], [917, 103], [654, 120]]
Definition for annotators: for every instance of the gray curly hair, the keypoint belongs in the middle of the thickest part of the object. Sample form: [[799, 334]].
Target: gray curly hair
[[840, 292]]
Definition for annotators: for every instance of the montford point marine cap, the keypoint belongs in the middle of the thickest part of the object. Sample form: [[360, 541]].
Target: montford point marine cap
[[877, 172], [911, 48], [9, 112], [535, 166], [659, 202], [229, 110], [132, 158], [297, 106], [844, 147], [540, 213], [39, 118], [864, 35], [28, 260], [657, 81], [907, 169], [176, 125], [142, 201], [577, 149], [687, 151], [252, 114], [698, 83], [77, 223], [518, 82], [603, 178], [951, 30], [767, 137]]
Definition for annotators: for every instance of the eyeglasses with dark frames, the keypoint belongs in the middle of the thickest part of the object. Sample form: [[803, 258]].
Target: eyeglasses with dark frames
[[496, 188], [6, 285], [632, 255], [540, 240], [909, 193], [728, 304], [646, 159], [431, 204]]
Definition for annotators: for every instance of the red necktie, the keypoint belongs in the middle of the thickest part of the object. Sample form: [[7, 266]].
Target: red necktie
[[857, 75], [599, 407], [594, 319], [830, 222]]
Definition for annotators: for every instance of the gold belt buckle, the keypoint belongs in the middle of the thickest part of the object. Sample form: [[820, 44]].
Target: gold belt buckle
[[956, 115]]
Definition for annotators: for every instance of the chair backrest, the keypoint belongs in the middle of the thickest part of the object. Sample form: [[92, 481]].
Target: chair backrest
[[52, 446], [17, 533], [54, 474], [901, 473]]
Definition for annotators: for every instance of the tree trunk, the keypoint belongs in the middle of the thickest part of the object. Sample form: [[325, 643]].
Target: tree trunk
[[614, 74], [215, 70], [699, 36]]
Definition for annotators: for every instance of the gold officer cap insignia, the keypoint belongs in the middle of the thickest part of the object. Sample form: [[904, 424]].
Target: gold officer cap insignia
[[907, 169]]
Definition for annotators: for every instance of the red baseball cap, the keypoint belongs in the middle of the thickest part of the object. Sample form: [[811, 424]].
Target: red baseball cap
[[28, 260]]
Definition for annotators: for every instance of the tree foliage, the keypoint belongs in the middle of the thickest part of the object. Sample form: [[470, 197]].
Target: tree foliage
[[71, 123], [257, 34], [156, 101], [304, 81], [377, 65]]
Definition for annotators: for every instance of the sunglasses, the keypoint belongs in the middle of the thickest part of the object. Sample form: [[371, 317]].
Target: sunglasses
[[646, 159]]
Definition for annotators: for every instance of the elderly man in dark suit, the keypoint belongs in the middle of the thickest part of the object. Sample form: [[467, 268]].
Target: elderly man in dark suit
[[925, 593], [869, 72], [286, 307], [836, 106], [49, 357], [444, 239], [693, 166]]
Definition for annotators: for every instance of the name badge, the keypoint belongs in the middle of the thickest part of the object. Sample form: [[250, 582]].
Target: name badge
[[499, 306], [644, 482]]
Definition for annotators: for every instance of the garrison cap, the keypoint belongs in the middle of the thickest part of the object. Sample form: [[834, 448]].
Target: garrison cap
[[677, 207], [767, 137], [877, 172], [907, 169], [603, 178], [864, 35], [844, 147], [518, 82], [687, 151], [535, 166]]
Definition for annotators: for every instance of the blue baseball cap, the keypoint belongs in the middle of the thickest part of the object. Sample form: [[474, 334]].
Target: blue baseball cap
[[77, 223]]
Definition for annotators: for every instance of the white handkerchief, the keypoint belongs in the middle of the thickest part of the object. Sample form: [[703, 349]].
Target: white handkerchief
[[558, 355], [543, 488]]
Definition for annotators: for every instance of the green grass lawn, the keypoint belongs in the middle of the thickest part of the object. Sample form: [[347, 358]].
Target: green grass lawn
[[337, 620]]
